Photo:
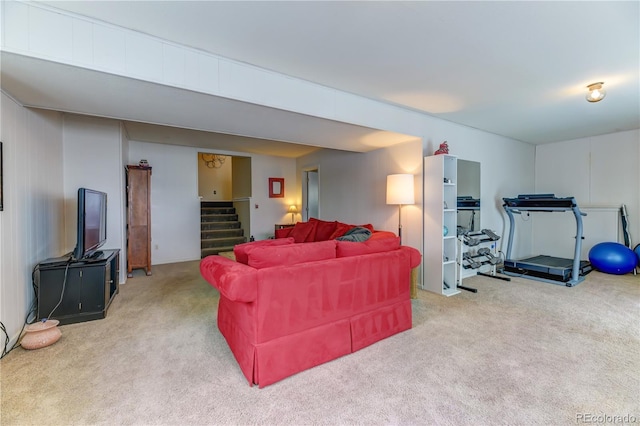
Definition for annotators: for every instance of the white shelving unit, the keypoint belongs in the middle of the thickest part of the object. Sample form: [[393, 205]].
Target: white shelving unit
[[440, 211]]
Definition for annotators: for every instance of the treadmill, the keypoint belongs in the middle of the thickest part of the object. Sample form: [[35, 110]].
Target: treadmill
[[550, 269]]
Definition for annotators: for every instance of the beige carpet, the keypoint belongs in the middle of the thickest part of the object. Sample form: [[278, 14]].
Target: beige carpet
[[515, 353]]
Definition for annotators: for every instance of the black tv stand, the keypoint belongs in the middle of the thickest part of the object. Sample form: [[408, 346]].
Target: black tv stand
[[89, 289], [96, 255]]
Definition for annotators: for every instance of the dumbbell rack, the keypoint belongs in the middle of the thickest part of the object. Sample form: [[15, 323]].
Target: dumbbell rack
[[476, 250]]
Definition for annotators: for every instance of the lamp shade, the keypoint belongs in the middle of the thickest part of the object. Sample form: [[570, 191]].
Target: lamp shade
[[400, 189], [293, 209]]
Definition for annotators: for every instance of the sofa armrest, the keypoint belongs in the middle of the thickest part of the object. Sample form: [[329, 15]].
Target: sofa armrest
[[414, 256], [236, 281]]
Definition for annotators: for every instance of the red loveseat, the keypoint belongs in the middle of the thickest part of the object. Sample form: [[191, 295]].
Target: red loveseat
[[294, 306]]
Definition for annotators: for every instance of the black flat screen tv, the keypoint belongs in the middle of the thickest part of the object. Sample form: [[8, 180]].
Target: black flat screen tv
[[92, 223]]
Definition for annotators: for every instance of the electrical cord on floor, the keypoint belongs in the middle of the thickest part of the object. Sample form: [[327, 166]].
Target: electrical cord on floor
[[64, 284], [6, 340], [34, 306], [36, 287], [33, 310]]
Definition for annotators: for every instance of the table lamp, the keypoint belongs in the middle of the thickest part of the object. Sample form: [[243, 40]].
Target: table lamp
[[293, 210]]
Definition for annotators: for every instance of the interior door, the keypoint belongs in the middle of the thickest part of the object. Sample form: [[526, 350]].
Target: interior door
[[311, 207]]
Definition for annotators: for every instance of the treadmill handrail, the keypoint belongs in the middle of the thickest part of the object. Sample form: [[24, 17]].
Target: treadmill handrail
[[542, 209]]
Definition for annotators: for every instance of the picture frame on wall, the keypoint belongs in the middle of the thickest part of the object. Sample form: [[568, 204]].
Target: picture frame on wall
[[276, 187]]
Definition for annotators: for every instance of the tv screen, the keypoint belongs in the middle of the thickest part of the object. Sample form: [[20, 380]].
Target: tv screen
[[92, 222]]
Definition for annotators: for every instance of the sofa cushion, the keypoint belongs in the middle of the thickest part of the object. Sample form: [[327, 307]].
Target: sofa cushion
[[341, 229], [283, 232], [302, 230], [376, 235], [356, 235], [291, 254], [324, 229], [241, 250], [312, 235], [348, 248]]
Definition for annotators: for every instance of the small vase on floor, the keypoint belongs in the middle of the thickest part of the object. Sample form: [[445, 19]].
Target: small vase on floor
[[41, 334]]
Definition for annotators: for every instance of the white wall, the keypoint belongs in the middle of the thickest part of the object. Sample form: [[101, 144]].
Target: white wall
[[175, 206], [352, 186], [124, 153], [93, 159], [599, 171], [214, 184], [32, 223], [506, 167], [271, 210]]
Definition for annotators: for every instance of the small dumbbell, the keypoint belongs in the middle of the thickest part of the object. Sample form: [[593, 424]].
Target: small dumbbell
[[486, 252], [471, 241], [473, 264], [492, 235]]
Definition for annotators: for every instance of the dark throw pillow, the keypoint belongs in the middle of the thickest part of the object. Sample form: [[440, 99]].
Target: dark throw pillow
[[356, 235]]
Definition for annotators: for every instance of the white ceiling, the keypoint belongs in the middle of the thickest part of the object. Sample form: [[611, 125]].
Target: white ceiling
[[182, 117], [518, 69]]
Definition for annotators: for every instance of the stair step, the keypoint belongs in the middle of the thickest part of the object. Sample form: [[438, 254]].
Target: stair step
[[218, 218], [216, 204], [221, 233], [220, 230], [208, 226], [217, 210], [221, 242], [214, 250]]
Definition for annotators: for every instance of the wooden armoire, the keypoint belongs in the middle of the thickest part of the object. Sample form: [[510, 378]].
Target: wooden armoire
[[138, 218]]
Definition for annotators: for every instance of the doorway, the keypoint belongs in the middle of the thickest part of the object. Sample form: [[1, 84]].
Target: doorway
[[310, 194], [224, 189], [214, 177]]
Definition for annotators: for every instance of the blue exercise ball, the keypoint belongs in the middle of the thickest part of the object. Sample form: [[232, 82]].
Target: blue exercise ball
[[613, 258], [637, 250]]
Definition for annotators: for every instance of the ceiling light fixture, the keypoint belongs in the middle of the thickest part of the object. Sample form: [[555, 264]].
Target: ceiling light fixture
[[213, 161], [596, 92]]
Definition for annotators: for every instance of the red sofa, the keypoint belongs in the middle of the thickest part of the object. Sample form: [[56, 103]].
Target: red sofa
[[287, 307]]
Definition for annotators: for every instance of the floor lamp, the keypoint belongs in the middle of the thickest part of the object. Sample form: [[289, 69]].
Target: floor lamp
[[400, 191]]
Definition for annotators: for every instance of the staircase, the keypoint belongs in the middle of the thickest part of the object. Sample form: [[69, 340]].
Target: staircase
[[219, 227]]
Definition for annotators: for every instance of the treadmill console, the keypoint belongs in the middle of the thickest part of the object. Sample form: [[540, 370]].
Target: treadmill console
[[540, 202]]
